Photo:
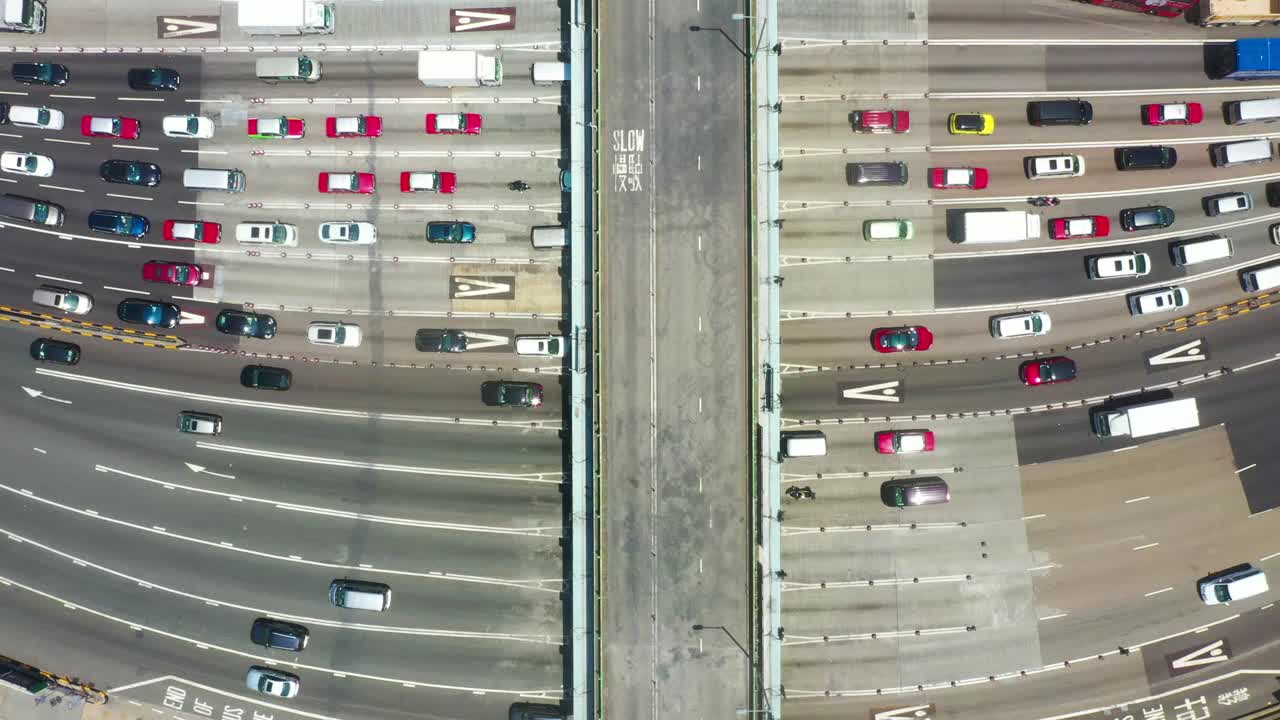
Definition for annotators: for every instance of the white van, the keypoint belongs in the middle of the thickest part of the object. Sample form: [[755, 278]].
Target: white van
[[360, 594], [1158, 300], [287, 69], [1200, 250], [1233, 585], [1242, 112], [887, 229], [1228, 203], [1240, 153], [208, 179], [550, 236], [550, 73], [1043, 166], [1118, 265], [1263, 277], [803, 443], [267, 233], [1023, 324]]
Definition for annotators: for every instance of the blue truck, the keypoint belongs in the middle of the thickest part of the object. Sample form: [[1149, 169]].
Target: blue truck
[[1248, 59]]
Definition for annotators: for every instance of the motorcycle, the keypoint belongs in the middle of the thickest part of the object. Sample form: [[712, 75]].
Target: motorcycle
[[518, 186], [1044, 201]]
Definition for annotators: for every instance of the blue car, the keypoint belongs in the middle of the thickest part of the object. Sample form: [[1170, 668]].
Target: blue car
[[119, 223], [451, 232], [152, 313]]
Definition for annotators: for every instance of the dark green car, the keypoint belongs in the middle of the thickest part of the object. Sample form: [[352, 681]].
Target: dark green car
[[451, 232], [265, 377], [55, 351]]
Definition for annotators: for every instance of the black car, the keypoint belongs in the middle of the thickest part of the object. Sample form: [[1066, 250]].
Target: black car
[[534, 711], [264, 377], [1273, 194], [1146, 218], [119, 223], [39, 73], [4, 113], [154, 79], [1147, 157], [446, 341], [152, 313], [279, 634], [246, 324], [55, 351], [130, 172], [510, 393]]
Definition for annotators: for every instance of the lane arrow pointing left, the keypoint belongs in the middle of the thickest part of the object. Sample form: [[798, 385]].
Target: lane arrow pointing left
[[200, 469], [40, 393]]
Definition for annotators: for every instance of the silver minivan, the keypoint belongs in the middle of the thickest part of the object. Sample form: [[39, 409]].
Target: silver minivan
[[1046, 166], [360, 594], [547, 237], [210, 179], [1227, 203], [290, 68], [1190, 252], [803, 443]]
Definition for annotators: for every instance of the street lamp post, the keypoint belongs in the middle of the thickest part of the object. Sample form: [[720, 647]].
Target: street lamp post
[[736, 46], [767, 712]]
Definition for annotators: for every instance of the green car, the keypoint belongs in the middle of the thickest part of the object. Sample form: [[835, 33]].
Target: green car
[[886, 229], [451, 232]]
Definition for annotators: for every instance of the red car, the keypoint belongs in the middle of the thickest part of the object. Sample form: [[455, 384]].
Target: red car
[[1047, 370], [945, 178], [881, 121], [1083, 226], [444, 182], [277, 128], [192, 231], [454, 124], [346, 182], [902, 442], [901, 339], [358, 126], [112, 127], [173, 273], [1173, 114]]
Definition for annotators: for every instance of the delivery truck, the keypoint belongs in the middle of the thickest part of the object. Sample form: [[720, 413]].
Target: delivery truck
[[1145, 419], [286, 17], [1217, 13], [458, 68], [25, 16], [993, 226]]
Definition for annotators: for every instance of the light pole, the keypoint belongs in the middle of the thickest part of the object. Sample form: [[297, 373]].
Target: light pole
[[736, 46], [767, 712]]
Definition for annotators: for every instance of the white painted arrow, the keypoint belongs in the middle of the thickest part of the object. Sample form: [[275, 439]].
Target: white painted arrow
[[191, 319], [469, 20], [484, 341], [918, 712], [200, 469], [1190, 352], [476, 287], [881, 392], [40, 393], [179, 27], [1212, 653]]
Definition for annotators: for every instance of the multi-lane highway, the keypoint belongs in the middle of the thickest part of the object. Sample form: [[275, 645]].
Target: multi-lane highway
[[140, 556], [1061, 575]]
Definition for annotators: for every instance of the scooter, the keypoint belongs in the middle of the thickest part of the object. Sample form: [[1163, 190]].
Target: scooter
[[518, 185], [1044, 201]]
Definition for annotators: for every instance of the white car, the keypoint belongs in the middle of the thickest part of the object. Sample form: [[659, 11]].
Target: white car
[[187, 126], [36, 117], [540, 345], [349, 232], [260, 233], [1117, 265], [26, 164], [273, 682], [1158, 300], [70, 301], [1023, 324], [334, 334]]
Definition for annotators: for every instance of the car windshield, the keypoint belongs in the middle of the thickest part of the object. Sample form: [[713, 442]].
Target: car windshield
[[42, 116], [899, 339], [182, 273], [304, 66], [43, 72], [42, 213], [1222, 593], [133, 172], [193, 126], [71, 302], [969, 122], [352, 232], [28, 162], [277, 233]]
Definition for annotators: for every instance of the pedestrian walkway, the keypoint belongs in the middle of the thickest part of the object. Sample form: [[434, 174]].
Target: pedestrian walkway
[[53, 705]]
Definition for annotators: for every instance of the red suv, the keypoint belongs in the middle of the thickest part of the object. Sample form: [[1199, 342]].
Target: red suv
[[881, 121]]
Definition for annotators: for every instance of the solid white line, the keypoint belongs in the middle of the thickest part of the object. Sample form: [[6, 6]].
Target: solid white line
[[1053, 617], [1263, 512], [67, 142], [1247, 467], [59, 279], [73, 97], [140, 99], [1137, 499], [207, 152], [1269, 557], [134, 147], [7, 269], [60, 187], [130, 197], [1034, 517], [125, 290], [1041, 567], [550, 478], [193, 202], [1123, 449], [1148, 545], [1157, 592]]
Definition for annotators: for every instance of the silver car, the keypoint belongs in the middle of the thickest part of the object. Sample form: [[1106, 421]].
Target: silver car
[[199, 423], [270, 681]]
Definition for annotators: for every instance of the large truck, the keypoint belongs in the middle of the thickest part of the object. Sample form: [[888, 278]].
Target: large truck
[[1215, 13], [1163, 8], [993, 226], [286, 17], [25, 16], [1145, 419], [1246, 59], [451, 68]]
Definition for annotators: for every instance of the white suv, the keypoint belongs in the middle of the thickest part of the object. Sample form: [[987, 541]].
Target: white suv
[[333, 334], [261, 233], [1158, 300], [1023, 324]]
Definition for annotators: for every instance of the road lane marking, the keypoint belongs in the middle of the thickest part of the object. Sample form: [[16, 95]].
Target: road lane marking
[[123, 146], [61, 187], [1148, 545], [1247, 467], [32, 392], [1137, 499], [67, 142], [130, 197], [890, 391], [59, 279], [139, 99], [1157, 592], [1193, 351], [301, 409], [73, 97], [125, 290], [331, 512]]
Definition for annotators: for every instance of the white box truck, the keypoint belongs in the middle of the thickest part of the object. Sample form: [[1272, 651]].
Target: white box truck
[[450, 68], [1217, 13], [26, 16], [996, 226], [1143, 420], [286, 17]]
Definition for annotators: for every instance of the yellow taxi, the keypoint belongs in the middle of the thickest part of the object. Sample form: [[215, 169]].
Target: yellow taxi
[[971, 124]]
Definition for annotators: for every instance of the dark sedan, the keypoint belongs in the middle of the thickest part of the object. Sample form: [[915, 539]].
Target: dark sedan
[[1047, 370], [152, 313], [119, 223], [279, 634], [130, 172], [1146, 218], [55, 351], [154, 79], [246, 324], [509, 393], [265, 377], [41, 73], [442, 341]]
